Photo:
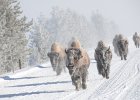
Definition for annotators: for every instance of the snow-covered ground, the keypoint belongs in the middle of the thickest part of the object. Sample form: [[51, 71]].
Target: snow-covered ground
[[41, 83]]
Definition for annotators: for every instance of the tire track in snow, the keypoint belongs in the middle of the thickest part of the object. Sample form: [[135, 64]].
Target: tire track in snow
[[34, 86], [133, 86], [76, 94], [102, 82], [110, 87], [97, 87]]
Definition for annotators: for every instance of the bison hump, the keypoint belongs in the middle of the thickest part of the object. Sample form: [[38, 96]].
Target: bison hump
[[76, 44]]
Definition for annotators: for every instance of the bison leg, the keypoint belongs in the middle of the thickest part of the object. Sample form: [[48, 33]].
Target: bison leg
[[99, 68], [107, 72], [121, 57], [58, 69], [77, 78], [84, 78], [77, 82], [103, 73], [78, 85], [125, 57], [72, 78]]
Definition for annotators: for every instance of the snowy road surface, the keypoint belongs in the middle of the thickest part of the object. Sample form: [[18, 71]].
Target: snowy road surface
[[41, 83]]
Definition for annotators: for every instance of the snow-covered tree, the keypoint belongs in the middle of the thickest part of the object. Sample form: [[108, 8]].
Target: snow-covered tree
[[61, 26], [103, 27], [13, 41], [65, 24], [39, 41]]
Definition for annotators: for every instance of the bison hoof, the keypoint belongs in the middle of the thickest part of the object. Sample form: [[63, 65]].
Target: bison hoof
[[84, 86], [107, 77], [58, 74], [77, 89]]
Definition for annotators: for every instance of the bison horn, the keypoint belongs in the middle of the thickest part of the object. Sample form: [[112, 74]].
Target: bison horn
[[66, 50]]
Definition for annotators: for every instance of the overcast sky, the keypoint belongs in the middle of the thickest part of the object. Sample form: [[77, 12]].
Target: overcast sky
[[125, 13]]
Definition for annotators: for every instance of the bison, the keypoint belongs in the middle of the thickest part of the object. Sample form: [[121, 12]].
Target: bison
[[136, 39], [122, 45], [57, 58], [78, 63], [103, 57], [115, 40]]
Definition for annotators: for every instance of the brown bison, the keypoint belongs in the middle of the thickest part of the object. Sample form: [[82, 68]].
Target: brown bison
[[122, 45], [136, 39], [78, 63], [103, 56], [57, 58]]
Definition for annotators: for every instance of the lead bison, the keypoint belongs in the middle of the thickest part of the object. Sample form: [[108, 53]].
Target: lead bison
[[78, 63], [136, 39], [103, 56], [57, 58]]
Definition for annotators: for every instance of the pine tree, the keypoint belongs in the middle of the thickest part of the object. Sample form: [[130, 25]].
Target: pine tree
[[13, 26]]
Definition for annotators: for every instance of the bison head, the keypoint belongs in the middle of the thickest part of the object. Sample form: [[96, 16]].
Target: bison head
[[54, 58], [73, 55]]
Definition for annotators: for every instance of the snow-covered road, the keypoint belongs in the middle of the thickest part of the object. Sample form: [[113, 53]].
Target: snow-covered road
[[41, 83]]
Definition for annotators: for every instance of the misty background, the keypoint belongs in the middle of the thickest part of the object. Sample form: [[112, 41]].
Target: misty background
[[29, 27], [125, 13]]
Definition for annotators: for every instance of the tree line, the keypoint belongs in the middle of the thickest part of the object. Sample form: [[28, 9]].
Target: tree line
[[62, 25], [24, 43]]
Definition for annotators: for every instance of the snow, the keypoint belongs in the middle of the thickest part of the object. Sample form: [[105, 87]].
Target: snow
[[41, 83]]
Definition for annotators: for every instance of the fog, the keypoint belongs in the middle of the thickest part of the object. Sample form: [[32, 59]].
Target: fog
[[125, 13]]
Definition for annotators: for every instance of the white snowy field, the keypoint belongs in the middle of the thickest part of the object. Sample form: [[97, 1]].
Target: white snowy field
[[41, 83]]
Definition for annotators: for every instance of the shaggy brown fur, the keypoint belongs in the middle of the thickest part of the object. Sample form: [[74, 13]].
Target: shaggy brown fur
[[57, 57], [103, 56], [78, 63], [122, 45], [56, 47], [123, 48]]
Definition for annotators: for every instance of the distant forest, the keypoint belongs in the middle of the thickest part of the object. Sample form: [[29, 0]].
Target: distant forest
[[26, 43]]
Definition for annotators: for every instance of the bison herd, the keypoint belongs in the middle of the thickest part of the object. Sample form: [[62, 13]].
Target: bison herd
[[77, 61]]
